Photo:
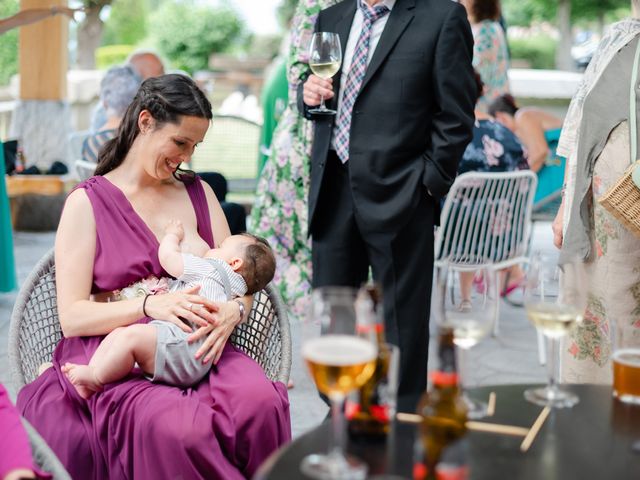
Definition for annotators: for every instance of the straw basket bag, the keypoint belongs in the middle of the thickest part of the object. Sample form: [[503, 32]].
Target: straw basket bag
[[622, 199]]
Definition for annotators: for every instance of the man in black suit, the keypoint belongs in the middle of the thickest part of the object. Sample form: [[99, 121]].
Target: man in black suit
[[379, 167]]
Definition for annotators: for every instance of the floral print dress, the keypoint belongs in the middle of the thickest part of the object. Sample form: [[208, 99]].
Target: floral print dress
[[491, 61], [280, 210], [613, 297]]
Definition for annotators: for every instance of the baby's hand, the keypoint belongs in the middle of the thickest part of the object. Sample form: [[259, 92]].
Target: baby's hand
[[175, 227]]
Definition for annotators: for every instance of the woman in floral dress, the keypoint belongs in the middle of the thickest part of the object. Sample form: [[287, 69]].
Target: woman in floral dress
[[596, 142], [490, 54], [280, 210]]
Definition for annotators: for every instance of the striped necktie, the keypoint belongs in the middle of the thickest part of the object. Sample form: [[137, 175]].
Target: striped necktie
[[355, 77]]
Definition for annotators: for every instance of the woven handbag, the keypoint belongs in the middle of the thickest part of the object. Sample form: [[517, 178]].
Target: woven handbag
[[622, 199]]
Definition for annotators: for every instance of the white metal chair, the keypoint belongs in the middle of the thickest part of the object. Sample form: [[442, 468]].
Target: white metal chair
[[84, 169], [486, 222]]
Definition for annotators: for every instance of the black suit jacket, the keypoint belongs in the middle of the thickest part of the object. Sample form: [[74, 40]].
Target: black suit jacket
[[413, 117]]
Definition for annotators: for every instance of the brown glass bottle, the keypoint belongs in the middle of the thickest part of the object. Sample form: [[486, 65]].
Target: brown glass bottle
[[368, 412], [444, 414]]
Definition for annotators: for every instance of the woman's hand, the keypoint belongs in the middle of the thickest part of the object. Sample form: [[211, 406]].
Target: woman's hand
[[226, 319], [185, 304], [556, 226]]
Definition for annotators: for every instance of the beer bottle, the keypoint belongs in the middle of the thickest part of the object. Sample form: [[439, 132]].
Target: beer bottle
[[443, 411], [368, 411]]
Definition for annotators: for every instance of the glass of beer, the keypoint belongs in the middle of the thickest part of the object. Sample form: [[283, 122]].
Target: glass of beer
[[626, 364], [341, 358], [554, 315]]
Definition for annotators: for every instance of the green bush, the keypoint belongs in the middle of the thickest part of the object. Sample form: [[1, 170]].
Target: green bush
[[188, 32], [539, 52], [112, 55]]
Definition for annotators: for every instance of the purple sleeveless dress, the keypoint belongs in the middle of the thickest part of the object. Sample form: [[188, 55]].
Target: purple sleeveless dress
[[223, 428]]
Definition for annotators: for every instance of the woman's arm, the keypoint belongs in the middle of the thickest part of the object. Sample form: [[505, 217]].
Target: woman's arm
[[79, 316], [74, 256], [558, 223], [531, 134]]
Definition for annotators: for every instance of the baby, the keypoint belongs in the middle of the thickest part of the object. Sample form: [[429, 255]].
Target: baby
[[242, 264]]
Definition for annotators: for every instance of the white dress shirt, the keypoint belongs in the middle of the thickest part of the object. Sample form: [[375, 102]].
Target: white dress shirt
[[354, 34]]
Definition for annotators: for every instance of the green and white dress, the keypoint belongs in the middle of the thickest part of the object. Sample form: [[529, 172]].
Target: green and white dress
[[280, 210]]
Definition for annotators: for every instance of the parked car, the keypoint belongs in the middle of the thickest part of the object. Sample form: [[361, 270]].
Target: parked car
[[583, 48]]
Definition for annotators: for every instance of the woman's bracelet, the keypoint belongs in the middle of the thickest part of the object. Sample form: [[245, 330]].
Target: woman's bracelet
[[144, 305], [53, 10], [242, 309]]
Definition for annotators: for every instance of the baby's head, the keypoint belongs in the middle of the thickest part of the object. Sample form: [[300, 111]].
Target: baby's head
[[250, 256]]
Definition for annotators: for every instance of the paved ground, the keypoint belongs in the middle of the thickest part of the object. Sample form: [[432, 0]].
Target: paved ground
[[511, 357]]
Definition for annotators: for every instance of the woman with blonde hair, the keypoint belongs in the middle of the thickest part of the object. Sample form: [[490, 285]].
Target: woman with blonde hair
[[596, 141]]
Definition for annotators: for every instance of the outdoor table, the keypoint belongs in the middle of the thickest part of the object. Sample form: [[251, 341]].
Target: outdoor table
[[599, 438]]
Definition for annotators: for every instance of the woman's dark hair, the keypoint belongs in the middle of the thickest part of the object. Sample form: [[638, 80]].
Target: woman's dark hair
[[479, 85], [168, 98], [485, 10], [504, 103]]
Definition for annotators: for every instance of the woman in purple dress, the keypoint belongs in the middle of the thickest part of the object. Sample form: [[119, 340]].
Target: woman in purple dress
[[107, 239]]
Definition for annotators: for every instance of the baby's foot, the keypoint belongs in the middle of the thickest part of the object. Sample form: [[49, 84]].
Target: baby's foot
[[83, 379]]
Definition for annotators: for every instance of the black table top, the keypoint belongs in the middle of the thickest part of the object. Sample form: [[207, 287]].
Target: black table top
[[599, 438]]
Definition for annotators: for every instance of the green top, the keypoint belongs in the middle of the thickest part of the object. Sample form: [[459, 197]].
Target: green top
[[7, 268], [274, 100]]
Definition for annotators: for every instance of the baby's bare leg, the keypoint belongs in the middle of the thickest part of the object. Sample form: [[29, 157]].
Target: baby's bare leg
[[114, 358]]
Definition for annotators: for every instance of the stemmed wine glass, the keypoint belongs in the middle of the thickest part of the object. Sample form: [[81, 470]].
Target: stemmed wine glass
[[466, 300], [341, 358], [554, 316], [325, 57]]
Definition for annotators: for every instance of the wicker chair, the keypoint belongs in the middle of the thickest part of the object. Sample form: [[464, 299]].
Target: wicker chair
[[35, 329], [43, 456]]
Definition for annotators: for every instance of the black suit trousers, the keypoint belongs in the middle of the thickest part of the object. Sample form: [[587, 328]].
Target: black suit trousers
[[401, 261]]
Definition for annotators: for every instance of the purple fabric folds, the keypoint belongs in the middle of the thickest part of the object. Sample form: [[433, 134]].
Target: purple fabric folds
[[224, 427]]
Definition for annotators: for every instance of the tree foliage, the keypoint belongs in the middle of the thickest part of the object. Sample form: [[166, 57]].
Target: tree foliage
[[127, 23], [8, 43], [187, 33], [523, 12]]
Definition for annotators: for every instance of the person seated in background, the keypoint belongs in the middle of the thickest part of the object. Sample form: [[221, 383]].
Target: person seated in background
[[234, 212], [539, 131], [242, 264], [534, 127], [16, 459], [117, 89], [494, 148], [146, 64]]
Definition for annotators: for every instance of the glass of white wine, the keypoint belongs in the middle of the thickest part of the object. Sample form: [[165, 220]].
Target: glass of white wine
[[466, 300], [341, 358], [554, 316], [325, 58]]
